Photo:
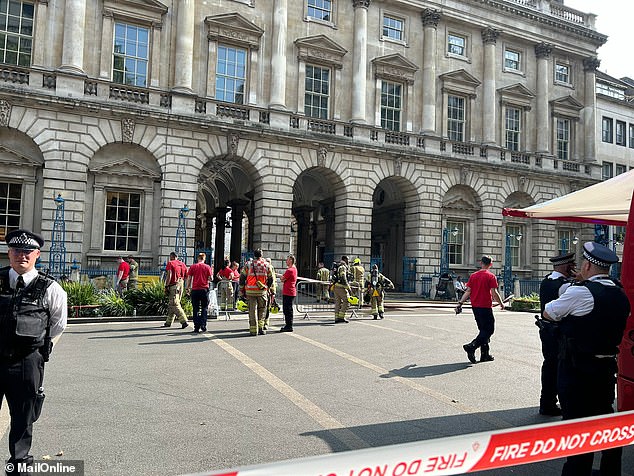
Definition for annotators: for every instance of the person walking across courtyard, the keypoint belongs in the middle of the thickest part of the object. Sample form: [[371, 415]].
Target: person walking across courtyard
[[255, 283], [481, 287], [199, 276], [289, 291], [592, 314], [551, 287], [33, 312], [341, 290], [175, 274]]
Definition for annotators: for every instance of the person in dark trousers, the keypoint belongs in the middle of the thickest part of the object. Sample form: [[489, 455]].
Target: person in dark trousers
[[481, 287], [289, 291], [32, 316], [551, 287], [199, 276], [592, 314]]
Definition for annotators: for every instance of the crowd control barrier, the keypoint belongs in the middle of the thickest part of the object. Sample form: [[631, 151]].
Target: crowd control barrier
[[314, 296], [464, 453], [226, 298]]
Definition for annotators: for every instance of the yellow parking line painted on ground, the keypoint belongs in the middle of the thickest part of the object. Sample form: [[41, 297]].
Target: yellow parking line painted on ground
[[497, 422], [395, 330], [4, 418], [326, 421]]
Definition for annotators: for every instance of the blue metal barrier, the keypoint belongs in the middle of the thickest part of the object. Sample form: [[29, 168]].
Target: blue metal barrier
[[426, 286], [409, 275]]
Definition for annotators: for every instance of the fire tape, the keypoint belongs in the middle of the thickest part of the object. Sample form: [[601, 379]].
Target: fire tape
[[462, 454]]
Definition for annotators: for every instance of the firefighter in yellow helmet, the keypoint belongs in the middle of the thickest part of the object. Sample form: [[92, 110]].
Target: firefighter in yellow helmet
[[341, 290], [358, 274], [377, 284]]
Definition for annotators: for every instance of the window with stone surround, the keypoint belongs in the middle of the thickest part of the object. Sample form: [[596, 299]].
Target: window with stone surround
[[317, 92], [563, 139], [321, 10], [456, 242], [620, 169], [512, 60], [16, 32], [607, 170], [565, 240], [393, 28], [456, 118], [619, 133], [512, 128], [391, 105], [456, 45], [563, 73], [123, 213], [515, 244], [606, 129], [10, 206], [231, 74], [131, 54]]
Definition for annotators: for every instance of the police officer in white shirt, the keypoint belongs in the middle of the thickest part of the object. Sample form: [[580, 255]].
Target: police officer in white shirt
[[591, 315], [32, 315]]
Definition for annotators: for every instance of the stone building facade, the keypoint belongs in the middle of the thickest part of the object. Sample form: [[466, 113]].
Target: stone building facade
[[321, 127]]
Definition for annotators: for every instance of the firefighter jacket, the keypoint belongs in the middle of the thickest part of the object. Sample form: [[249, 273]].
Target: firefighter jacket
[[342, 276], [357, 274], [23, 317], [258, 276]]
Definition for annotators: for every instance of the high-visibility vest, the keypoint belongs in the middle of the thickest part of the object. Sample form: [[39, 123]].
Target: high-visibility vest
[[257, 273]]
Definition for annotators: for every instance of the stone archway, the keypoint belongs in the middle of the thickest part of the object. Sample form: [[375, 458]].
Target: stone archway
[[224, 210], [393, 200], [314, 196]]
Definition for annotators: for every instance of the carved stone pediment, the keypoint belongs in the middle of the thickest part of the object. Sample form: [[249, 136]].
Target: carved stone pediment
[[460, 81], [320, 49], [124, 167], [517, 94], [395, 68], [10, 156], [460, 203], [233, 28], [148, 10], [566, 106]]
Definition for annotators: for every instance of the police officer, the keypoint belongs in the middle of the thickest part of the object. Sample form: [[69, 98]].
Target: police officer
[[592, 315], [341, 291], [32, 312], [551, 287]]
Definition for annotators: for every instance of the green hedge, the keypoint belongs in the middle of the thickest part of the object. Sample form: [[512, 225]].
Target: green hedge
[[526, 303]]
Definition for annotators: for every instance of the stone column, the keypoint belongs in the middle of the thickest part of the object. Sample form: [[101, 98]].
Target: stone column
[[359, 60], [590, 66], [278, 55], [219, 247], [543, 124], [148, 207], [74, 30], [489, 121], [155, 74], [184, 49], [107, 33], [98, 207], [42, 41], [237, 213], [430, 20]]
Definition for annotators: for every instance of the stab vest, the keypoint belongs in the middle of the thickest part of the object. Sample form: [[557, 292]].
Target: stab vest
[[23, 317], [599, 332], [549, 290]]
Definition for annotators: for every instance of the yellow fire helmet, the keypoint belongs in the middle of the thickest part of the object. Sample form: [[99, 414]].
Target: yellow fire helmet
[[354, 300], [275, 308], [242, 306]]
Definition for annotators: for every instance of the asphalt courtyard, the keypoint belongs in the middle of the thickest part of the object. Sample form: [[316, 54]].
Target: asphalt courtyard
[[135, 398]]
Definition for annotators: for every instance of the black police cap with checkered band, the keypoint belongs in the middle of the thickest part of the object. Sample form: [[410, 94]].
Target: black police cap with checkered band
[[563, 259], [599, 254], [24, 239]]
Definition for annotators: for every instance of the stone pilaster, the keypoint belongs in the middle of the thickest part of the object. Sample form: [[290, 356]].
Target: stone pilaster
[[184, 50], [590, 66], [359, 60], [543, 124], [430, 19], [489, 120], [74, 35], [278, 55]]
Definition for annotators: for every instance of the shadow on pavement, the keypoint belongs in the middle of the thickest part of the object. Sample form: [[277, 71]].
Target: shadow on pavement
[[413, 371]]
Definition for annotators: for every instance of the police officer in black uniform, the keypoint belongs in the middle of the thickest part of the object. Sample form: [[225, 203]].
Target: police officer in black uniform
[[592, 315], [551, 287], [32, 313]]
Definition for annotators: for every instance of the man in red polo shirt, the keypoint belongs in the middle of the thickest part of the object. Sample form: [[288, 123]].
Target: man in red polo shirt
[[198, 278], [482, 285], [289, 291], [175, 273]]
